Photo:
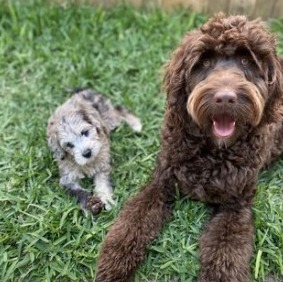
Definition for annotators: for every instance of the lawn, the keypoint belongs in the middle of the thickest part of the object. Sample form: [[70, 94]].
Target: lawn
[[47, 50]]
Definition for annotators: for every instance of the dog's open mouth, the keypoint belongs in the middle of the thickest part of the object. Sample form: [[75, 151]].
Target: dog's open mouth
[[223, 125]]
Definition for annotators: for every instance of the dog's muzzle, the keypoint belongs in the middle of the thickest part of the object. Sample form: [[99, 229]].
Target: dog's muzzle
[[224, 122]]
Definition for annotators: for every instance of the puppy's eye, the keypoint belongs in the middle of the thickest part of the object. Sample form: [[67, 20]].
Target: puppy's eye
[[244, 61], [206, 63], [85, 133], [70, 145]]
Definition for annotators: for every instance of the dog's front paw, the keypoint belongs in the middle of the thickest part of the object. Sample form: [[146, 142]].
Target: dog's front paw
[[94, 205], [108, 202]]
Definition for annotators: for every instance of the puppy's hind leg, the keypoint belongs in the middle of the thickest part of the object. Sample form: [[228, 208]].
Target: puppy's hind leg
[[133, 121], [226, 246]]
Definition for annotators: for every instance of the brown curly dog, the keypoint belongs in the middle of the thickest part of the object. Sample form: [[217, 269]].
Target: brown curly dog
[[222, 125]]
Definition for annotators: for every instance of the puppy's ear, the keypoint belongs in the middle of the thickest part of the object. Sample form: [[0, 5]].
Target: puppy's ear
[[52, 140], [91, 116]]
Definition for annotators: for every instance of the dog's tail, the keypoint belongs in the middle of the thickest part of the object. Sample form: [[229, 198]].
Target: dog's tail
[[133, 121]]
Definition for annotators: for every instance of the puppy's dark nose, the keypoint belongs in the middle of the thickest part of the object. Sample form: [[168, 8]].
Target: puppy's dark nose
[[87, 153], [227, 98]]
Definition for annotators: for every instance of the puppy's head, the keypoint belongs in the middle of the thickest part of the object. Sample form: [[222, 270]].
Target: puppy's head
[[76, 134], [226, 77]]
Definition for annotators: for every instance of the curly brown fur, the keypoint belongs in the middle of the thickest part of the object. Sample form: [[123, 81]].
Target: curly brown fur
[[222, 125]]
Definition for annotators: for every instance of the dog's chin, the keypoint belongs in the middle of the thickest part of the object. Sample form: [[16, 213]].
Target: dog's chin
[[225, 140], [81, 161], [221, 142], [223, 129]]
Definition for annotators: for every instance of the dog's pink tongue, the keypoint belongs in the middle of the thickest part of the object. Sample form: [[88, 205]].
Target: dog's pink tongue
[[223, 125]]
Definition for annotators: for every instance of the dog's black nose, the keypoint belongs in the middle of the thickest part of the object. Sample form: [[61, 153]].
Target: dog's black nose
[[228, 98], [87, 153]]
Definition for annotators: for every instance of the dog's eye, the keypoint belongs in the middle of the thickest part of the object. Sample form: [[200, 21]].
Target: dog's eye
[[206, 63], [244, 61], [85, 133], [70, 145]]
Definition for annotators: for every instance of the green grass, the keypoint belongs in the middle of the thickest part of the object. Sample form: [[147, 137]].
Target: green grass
[[47, 50]]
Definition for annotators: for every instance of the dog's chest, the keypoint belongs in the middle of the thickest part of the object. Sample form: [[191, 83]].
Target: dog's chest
[[213, 177], [77, 172], [87, 171]]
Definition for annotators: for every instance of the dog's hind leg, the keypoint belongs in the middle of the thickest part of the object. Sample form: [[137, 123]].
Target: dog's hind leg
[[226, 246], [139, 222]]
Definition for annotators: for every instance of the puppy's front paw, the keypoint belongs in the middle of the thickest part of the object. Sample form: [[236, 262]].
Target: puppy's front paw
[[94, 205], [108, 202]]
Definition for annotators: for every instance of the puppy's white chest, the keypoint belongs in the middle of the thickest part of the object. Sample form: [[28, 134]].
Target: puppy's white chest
[[73, 171]]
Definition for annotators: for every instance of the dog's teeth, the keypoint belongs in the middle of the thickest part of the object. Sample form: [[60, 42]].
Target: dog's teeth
[[234, 123]]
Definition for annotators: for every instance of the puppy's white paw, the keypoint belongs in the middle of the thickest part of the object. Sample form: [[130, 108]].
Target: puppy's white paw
[[108, 201]]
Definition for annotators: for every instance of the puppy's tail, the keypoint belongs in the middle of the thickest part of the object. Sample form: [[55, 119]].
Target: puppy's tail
[[111, 114], [133, 121]]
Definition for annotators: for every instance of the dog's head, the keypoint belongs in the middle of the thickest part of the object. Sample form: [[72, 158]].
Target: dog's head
[[76, 134], [226, 76]]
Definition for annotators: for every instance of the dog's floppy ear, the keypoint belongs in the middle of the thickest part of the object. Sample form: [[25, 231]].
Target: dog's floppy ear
[[180, 65], [52, 140], [273, 111], [177, 72]]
